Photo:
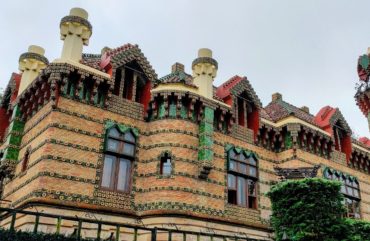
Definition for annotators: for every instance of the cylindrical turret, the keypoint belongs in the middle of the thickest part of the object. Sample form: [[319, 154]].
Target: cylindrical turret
[[30, 64], [204, 71], [76, 31]]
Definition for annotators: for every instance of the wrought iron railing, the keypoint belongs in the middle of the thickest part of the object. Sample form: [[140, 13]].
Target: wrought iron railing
[[8, 219]]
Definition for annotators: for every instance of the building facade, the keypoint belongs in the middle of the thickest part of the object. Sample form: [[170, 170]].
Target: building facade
[[101, 134]]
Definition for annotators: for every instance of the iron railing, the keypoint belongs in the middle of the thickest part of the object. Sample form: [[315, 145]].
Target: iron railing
[[137, 230]]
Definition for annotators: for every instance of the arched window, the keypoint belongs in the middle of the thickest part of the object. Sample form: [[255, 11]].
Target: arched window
[[242, 179], [166, 165], [119, 155], [25, 160]]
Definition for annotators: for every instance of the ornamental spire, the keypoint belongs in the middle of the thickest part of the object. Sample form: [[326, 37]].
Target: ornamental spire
[[204, 71], [76, 31], [30, 64]]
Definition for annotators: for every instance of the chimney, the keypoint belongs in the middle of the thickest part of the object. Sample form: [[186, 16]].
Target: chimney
[[177, 67], [277, 96], [30, 64], [204, 71], [76, 31], [305, 109]]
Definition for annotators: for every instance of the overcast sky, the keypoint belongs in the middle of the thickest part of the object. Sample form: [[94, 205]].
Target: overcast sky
[[306, 50]]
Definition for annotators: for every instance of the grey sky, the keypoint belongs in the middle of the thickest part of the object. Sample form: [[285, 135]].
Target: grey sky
[[306, 50]]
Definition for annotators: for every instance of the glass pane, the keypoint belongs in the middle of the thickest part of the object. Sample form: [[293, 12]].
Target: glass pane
[[343, 189], [242, 157], [251, 188], [231, 181], [129, 137], [355, 184], [232, 165], [242, 168], [108, 172], [355, 193], [113, 145], [241, 193], [232, 154], [252, 171], [129, 149], [252, 161], [123, 175], [114, 132], [350, 191], [167, 167]]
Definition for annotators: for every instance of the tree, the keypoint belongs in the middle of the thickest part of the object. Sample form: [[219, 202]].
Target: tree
[[307, 210]]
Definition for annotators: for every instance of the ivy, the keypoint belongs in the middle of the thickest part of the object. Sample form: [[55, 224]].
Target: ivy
[[312, 210], [307, 209], [7, 235]]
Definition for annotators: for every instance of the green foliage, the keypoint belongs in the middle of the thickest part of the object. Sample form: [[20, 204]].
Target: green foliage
[[307, 210], [7, 235], [357, 230]]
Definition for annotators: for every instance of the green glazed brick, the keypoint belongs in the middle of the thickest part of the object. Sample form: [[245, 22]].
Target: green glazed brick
[[184, 112], [14, 140], [172, 111], [161, 110], [288, 141], [205, 140], [208, 115], [11, 153], [205, 128], [205, 155]]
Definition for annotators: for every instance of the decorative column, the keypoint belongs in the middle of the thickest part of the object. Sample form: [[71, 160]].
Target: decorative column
[[204, 71], [31, 64], [75, 31], [205, 152]]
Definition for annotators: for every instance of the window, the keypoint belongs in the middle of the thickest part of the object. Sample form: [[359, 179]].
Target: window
[[242, 179], [351, 191], [25, 160], [166, 165], [119, 155]]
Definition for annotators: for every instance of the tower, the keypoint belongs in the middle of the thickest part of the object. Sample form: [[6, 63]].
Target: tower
[[363, 88]]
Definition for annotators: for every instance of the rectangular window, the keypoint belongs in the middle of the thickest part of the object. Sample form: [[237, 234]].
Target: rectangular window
[[119, 154], [242, 179]]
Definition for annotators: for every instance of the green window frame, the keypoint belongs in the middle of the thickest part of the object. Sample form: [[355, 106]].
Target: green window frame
[[242, 178]]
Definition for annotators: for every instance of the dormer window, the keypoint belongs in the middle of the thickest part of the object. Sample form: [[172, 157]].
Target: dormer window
[[132, 84], [247, 112], [342, 140]]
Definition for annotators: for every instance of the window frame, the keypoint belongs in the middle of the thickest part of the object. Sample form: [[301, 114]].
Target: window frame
[[166, 155], [117, 156], [239, 173], [345, 181]]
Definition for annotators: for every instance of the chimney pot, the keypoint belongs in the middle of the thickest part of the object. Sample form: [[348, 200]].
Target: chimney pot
[[79, 12], [178, 67], [305, 109], [204, 52], [277, 96]]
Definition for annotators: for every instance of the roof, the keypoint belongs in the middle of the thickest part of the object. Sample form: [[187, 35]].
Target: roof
[[125, 54], [235, 86], [176, 77], [279, 109], [11, 90], [365, 141], [328, 117], [92, 60]]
